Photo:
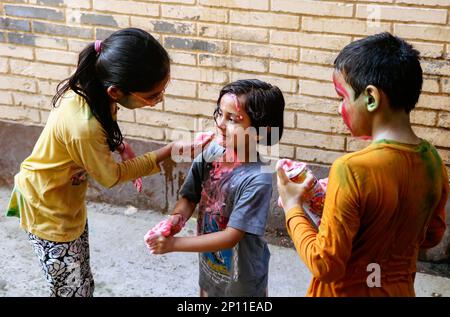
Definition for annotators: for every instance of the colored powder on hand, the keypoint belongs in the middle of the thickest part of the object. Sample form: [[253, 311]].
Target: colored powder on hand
[[163, 228], [288, 165], [166, 228], [175, 228], [324, 183]]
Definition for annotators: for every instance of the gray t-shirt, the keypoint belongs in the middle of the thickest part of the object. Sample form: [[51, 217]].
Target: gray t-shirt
[[238, 197]]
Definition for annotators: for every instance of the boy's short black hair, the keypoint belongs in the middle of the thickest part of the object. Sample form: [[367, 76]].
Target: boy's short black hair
[[264, 105], [387, 62]]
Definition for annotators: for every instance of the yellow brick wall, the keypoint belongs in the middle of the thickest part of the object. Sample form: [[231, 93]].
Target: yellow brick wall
[[290, 43]]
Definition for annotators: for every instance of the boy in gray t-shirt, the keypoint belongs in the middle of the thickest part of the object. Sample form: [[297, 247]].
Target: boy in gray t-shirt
[[233, 196], [238, 198]]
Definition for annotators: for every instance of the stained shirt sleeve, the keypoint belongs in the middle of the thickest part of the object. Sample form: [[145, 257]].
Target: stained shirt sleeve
[[94, 156], [326, 251], [192, 186], [436, 227]]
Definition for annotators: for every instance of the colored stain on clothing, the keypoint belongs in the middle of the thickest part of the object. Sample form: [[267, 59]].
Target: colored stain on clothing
[[383, 191], [236, 195]]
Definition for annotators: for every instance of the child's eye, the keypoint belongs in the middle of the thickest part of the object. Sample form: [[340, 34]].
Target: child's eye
[[232, 119]]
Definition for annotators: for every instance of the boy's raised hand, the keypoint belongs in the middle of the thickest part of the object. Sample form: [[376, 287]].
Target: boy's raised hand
[[291, 194], [127, 153]]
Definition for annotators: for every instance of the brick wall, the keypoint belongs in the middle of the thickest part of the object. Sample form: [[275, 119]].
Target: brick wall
[[290, 43]]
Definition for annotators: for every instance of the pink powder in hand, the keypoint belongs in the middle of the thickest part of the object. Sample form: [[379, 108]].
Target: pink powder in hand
[[176, 227], [163, 228], [166, 228]]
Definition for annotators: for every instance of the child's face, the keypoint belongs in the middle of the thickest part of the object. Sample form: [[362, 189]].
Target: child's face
[[354, 112], [151, 98], [232, 122]]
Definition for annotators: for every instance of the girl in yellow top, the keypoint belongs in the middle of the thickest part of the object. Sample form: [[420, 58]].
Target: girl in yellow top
[[130, 68], [383, 203]]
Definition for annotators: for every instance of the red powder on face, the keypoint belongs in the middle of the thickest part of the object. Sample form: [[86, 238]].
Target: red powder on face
[[237, 105], [340, 89], [342, 92], [345, 116]]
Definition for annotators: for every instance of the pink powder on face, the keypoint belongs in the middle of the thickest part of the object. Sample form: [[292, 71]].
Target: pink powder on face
[[237, 105], [345, 116], [342, 92]]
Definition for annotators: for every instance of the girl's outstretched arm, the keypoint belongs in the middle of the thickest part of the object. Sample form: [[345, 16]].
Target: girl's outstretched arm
[[210, 242], [187, 150]]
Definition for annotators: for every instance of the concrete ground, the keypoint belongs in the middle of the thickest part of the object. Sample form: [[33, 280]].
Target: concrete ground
[[122, 265]]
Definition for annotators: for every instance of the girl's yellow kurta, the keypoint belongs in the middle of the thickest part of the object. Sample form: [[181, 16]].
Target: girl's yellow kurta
[[72, 140], [382, 205]]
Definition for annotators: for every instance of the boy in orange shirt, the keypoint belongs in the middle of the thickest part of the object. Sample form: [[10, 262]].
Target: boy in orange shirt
[[383, 203]]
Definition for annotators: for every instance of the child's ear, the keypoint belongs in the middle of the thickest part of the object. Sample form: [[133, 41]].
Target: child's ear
[[372, 98], [115, 93]]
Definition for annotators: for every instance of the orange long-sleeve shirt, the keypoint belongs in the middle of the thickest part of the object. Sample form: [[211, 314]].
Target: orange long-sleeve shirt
[[383, 204]]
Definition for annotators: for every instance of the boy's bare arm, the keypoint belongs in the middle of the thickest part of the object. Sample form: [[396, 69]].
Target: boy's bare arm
[[184, 207], [210, 242]]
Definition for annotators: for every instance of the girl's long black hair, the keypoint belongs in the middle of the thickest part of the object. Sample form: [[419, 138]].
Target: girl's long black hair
[[130, 59]]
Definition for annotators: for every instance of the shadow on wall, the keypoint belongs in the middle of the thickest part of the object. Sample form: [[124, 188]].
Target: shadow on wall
[[160, 191]]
